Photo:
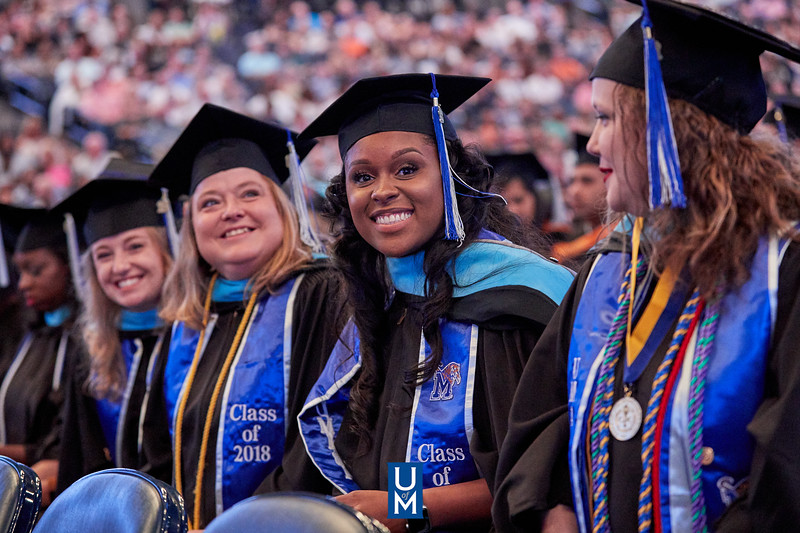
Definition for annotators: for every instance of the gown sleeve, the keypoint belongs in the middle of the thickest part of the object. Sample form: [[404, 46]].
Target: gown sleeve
[[83, 447], [773, 494], [319, 316], [532, 474], [156, 456]]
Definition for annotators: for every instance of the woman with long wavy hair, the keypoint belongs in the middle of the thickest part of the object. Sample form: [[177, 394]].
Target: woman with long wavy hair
[[667, 383], [255, 317], [124, 265], [446, 304]]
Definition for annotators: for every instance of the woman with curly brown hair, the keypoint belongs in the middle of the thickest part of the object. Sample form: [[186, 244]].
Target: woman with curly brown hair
[[668, 382], [446, 310]]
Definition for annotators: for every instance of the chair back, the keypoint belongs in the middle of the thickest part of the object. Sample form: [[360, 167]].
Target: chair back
[[293, 512], [119, 500], [20, 496]]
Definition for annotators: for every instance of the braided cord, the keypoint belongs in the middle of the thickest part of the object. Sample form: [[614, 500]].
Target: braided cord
[[602, 403], [708, 329], [648, 432]]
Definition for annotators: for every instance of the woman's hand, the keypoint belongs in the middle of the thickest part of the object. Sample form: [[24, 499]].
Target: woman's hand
[[560, 519], [47, 470], [375, 504]]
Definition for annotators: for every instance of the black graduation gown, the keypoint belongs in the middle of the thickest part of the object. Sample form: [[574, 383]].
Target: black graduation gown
[[84, 448], [510, 320], [14, 316], [317, 311], [30, 398], [533, 474]]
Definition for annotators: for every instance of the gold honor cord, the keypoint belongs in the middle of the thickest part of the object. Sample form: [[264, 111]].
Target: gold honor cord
[[198, 492], [634, 342]]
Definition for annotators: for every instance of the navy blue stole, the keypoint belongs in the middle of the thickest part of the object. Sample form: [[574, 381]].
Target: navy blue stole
[[252, 427], [734, 388], [441, 420]]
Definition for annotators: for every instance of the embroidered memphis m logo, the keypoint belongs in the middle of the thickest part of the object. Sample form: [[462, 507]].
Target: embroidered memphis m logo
[[443, 381]]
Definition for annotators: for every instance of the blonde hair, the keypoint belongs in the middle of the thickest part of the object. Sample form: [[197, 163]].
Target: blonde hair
[[739, 188], [99, 323], [187, 283]]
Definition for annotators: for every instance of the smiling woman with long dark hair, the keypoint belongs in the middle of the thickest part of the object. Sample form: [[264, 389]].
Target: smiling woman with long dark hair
[[446, 309]]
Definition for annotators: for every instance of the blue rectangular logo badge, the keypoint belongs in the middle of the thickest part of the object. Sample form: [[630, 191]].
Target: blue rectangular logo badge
[[405, 490]]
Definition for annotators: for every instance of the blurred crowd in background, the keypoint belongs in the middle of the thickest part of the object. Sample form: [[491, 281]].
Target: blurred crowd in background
[[82, 80]]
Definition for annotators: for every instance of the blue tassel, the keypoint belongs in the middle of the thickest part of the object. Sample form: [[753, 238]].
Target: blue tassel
[[663, 165], [453, 225]]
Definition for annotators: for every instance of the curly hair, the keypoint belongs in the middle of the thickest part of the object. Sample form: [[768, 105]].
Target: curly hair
[[364, 269], [738, 188], [187, 283], [99, 326]]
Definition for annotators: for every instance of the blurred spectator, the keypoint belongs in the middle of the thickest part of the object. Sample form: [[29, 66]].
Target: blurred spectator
[[92, 159], [140, 75], [586, 197]]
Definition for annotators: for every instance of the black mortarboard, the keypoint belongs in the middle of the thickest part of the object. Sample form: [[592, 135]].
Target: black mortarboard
[[524, 165], [786, 116], [583, 155], [400, 102], [219, 139], [707, 59], [30, 228], [105, 207]]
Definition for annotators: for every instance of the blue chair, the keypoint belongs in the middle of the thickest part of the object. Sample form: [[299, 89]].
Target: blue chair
[[118, 500], [20, 497], [293, 512]]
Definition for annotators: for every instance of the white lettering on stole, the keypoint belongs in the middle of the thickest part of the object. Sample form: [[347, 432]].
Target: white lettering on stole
[[252, 451], [428, 453], [240, 412]]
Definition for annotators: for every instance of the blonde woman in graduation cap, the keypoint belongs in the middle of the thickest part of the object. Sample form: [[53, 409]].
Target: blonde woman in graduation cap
[[254, 315], [446, 308], [673, 360], [121, 219]]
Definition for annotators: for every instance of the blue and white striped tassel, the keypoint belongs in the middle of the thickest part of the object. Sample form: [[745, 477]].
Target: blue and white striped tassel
[[298, 179], [74, 256], [663, 164], [164, 207], [453, 225]]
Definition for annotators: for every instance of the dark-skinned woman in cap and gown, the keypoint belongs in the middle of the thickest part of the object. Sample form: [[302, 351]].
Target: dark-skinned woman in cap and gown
[[446, 307]]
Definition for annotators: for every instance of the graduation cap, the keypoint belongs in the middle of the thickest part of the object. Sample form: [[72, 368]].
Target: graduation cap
[[218, 139], [107, 206], [523, 165], [416, 103], [694, 54], [583, 155], [786, 116], [25, 229]]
